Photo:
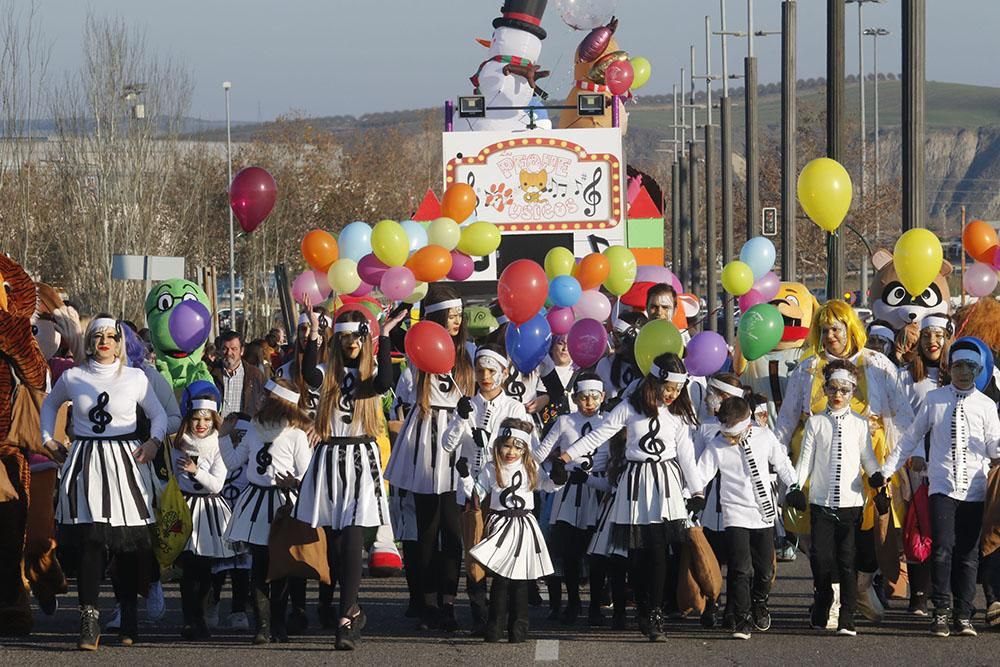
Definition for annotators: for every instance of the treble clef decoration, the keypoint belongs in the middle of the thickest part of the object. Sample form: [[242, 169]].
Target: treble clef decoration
[[514, 387], [651, 443], [264, 458], [312, 403], [592, 195], [347, 397], [229, 490], [587, 461], [445, 383], [98, 416], [629, 376], [509, 497]]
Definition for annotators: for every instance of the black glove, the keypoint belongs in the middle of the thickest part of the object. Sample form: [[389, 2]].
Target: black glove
[[578, 476], [877, 481], [695, 503], [464, 407], [558, 473], [462, 466], [882, 502], [796, 499]]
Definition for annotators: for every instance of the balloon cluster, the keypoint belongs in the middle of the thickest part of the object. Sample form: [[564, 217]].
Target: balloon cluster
[[614, 69], [400, 258], [980, 240], [752, 280]]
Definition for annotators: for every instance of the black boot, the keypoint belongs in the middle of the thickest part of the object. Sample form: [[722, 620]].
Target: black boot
[[477, 605], [448, 621], [129, 632], [655, 625], [90, 628], [497, 621], [262, 610], [349, 633]]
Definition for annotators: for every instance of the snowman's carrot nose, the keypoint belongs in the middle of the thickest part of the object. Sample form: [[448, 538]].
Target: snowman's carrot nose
[[484, 42]]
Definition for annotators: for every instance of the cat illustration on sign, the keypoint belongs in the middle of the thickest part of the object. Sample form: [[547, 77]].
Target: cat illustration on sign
[[534, 184]]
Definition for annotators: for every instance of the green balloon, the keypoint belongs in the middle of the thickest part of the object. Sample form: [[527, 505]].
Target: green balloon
[[760, 331], [654, 339]]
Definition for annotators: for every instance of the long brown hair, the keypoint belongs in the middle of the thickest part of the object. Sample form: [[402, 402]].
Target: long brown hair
[[276, 410], [367, 403], [463, 373], [919, 366], [646, 399], [527, 459]]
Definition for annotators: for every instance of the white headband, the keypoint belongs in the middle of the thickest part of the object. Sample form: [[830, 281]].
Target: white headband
[[351, 327], [489, 358], [930, 321], [666, 376], [442, 305], [845, 375], [725, 387], [880, 330], [583, 386], [281, 392], [204, 404], [761, 408], [966, 355], [303, 318], [103, 323], [516, 433], [736, 429]]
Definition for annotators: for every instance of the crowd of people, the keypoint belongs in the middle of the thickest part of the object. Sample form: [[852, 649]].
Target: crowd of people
[[557, 475]]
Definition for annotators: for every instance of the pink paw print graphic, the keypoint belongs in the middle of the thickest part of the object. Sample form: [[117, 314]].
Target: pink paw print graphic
[[499, 196]]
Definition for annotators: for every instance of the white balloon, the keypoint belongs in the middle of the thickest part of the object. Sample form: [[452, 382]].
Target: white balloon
[[586, 14]]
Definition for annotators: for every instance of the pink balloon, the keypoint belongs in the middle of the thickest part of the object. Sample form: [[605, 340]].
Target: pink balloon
[[310, 284], [980, 279], [619, 76], [592, 305], [397, 283], [364, 290], [751, 299], [996, 259], [587, 342], [251, 196], [560, 320], [461, 266], [658, 274], [768, 286], [371, 269]]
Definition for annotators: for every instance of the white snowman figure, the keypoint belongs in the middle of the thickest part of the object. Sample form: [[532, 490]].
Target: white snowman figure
[[508, 77]]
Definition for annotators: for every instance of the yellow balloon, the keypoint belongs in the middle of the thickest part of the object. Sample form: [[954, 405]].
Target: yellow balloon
[[479, 239], [390, 243], [343, 276], [444, 232], [623, 267], [917, 259], [559, 261], [825, 192], [642, 70], [737, 278], [418, 293]]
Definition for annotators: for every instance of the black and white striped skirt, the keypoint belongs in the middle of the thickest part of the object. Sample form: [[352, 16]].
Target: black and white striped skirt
[[513, 546], [101, 482], [254, 512], [419, 462], [343, 486], [210, 515], [577, 505], [403, 514]]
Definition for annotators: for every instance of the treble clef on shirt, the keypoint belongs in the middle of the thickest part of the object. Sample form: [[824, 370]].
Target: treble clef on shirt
[[509, 497], [98, 416], [586, 462], [514, 387], [651, 443], [264, 458], [346, 402], [445, 383]]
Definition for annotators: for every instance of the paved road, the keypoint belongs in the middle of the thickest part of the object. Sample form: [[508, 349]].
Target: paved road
[[392, 640]]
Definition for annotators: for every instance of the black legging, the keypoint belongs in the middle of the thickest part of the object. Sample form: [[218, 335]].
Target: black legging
[[598, 566], [240, 584], [276, 592], [571, 545], [344, 549], [196, 583], [648, 568], [91, 572], [438, 515]]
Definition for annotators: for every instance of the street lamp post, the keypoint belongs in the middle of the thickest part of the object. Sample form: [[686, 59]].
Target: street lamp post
[[226, 85], [861, 91], [875, 33]]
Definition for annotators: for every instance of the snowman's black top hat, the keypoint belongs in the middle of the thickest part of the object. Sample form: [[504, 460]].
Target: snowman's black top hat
[[523, 15]]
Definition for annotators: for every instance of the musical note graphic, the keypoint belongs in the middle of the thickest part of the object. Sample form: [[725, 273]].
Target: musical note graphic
[[588, 461], [597, 242], [508, 497], [264, 458], [481, 264], [346, 402], [651, 443], [592, 195], [579, 184], [445, 383], [514, 387], [558, 189], [98, 416]]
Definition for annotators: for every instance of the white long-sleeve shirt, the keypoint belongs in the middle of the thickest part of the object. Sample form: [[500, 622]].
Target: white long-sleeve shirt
[[515, 493], [104, 400], [834, 473], [567, 430], [266, 451], [935, 416], [660, 438], [741, 506], [210, 476]]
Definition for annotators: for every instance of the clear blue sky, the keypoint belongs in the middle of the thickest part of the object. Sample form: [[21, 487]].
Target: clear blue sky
[[329, 57]]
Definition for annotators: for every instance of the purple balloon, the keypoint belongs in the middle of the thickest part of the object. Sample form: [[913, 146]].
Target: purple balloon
[[371, 269], [706, 353], [768, 286], [311, 284], [593, 305], [397, 283], [560, 320], [189, 325], [588, 342], [461, 266], [364, 290], [658, 274], [751, 299]]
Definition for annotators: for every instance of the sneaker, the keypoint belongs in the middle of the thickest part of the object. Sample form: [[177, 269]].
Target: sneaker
[[963, 628], [786, 553], [656, 627], [993, 615], [742, 630], [845, 628], [818, 618], [238, 621], [918, 605], [212, 614], [708, 617], [156, 606], [760, 616], [115, 622], [831, 623], [939, 626], [384, 563]]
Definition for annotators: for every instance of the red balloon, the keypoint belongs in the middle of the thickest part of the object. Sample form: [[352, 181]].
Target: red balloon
[[522, 290], [252, 195], [619, 76], [429, 348]]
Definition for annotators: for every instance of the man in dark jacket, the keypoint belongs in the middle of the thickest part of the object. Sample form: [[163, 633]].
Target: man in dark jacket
[[241, 385]]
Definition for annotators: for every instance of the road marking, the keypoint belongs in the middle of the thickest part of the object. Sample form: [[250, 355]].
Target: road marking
[[546, 650]]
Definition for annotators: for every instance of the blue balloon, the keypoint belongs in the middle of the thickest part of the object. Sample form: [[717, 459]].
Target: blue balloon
[[983, 379], [758, 254], [355, 240], [528, 344], [565, 291], [416, 233]]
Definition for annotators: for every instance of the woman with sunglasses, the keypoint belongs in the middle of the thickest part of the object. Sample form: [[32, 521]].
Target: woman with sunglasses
[[104, 504]]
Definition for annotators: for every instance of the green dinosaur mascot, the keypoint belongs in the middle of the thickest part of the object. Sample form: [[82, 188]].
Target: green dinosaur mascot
[[177, 313]]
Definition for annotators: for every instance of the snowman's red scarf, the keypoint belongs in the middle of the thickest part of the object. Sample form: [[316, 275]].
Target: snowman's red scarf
[[507, 60]]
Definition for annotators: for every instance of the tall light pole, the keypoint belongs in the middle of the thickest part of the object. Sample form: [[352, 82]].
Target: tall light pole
[[875, 33], [226, 85], [861, 91]]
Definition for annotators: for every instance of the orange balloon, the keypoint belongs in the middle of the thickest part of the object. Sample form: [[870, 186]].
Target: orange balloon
[[459, 202], [592, 271], [429, 264], [320, 250], [980, 239]]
